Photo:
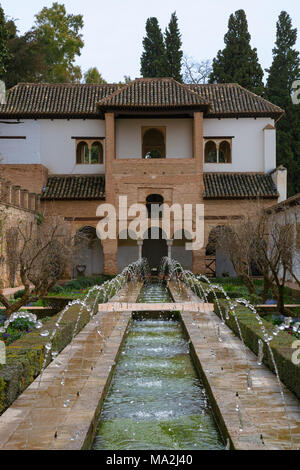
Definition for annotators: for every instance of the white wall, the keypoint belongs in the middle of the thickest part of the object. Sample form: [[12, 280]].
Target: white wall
[[58, 149], [50, 142], [179, 137], [247, 144], [20, 150], [269, 148]]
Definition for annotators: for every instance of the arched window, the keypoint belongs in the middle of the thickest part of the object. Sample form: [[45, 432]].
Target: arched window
[[224, 152], [153, 201], [153, 142], [210, 152], [218, 150], [97, 153], [89, 151], [82, 153]]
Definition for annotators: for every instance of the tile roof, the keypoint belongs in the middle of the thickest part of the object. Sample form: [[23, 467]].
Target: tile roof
[[153, 93], [216, 186], [80, 100], [74, 187], [40, 99], [238, 185], [232, 98]]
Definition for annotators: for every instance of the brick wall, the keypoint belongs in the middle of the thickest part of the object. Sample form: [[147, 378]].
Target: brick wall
[[29, 176]]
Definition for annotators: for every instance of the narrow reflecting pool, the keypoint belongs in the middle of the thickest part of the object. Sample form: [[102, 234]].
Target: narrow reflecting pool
[[156, 400]]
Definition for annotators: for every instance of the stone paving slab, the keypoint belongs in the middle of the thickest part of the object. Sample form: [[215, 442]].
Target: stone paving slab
[[262, 422], [153, 307]]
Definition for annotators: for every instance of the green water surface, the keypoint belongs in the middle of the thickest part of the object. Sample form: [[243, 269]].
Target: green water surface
[[156, 400]]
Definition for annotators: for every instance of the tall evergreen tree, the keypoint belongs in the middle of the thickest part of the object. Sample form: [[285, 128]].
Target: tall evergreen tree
[[4, 51], [173, 45], [153, 60], [285, 69], [238, 61]]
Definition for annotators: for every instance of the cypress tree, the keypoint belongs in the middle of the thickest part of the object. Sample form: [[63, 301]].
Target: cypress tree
[[4, 51], [238, 61], [173, 49], [285, 69], [153, 60]]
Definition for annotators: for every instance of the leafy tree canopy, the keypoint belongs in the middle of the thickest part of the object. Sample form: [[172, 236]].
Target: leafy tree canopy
[[58, 34], [92, 75]]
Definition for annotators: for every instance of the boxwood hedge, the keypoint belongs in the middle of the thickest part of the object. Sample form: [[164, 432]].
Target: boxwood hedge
[[281, 345]]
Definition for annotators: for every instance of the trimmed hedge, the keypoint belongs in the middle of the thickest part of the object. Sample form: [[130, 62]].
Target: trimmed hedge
[[195, 286], [281, 345], [25, 357]]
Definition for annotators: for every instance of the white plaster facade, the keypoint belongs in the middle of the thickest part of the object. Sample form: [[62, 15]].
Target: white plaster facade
[[249, 152], [50, 142]]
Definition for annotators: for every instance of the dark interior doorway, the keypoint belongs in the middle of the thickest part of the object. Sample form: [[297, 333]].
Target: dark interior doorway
[[155, 248]]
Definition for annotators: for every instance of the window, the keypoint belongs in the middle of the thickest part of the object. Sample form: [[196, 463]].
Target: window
[[89, 152], [153, 142], [217, 150], [210, 152], [153, 204]]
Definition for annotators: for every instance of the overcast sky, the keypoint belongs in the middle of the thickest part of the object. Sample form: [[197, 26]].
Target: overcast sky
[[114, 29]]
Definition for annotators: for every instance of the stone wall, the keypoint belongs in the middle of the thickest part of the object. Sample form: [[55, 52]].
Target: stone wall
[[17, 206]]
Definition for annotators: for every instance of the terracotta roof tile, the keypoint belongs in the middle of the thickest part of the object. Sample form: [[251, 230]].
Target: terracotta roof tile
[[216, 186], [153, 93], [74, 187], [231, 98], [80, 100], [55, 99], [238, 185]]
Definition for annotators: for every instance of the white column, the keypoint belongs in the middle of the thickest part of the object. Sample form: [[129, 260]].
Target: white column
[[169, 244], [140, 246], [269, 148]]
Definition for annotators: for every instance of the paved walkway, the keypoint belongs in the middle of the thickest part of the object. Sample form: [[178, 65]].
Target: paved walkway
[[261, 422], [154, 307]]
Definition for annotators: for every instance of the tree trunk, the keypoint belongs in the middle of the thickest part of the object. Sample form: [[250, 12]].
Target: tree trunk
[[14, 307], [280, 299], [248, 283], [267, 285]]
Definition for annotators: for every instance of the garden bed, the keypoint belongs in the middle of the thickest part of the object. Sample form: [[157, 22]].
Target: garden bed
[[25, 357], [281, 345]]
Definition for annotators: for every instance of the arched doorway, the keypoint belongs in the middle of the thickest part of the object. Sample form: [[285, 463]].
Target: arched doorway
[[217, 259], [155, 247], [88, 253], [153, 142], [153, 201]]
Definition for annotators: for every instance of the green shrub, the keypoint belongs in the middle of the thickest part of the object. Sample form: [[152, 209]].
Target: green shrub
[[281, 345], [57, 289], [18, 294]]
